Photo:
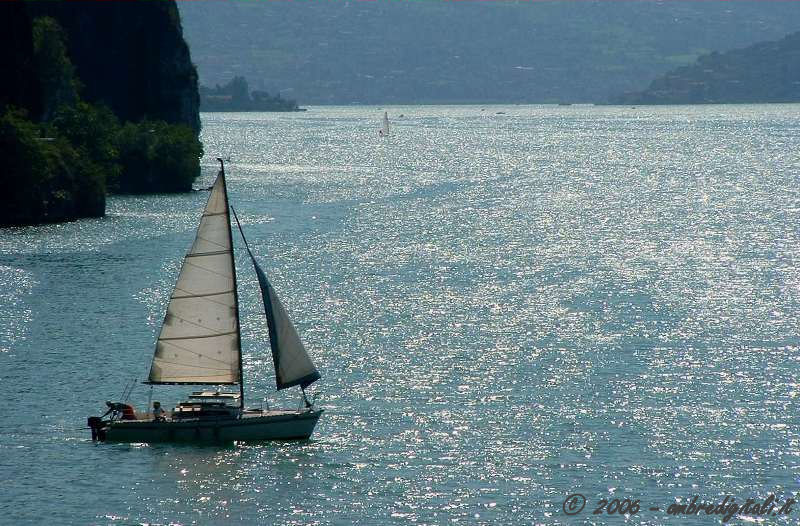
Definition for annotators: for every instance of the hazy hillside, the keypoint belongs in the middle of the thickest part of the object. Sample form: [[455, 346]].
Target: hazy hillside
[[763, 72], [439, 51]]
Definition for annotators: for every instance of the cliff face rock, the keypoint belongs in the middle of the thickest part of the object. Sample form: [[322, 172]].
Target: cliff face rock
[[21, 87], [129, 55], [60, 153], [763, 72]]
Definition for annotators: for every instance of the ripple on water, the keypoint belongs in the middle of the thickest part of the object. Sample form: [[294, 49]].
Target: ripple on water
[[505, 310]]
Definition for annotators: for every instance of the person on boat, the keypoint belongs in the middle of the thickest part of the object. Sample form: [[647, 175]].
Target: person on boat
[[158, 412], [120, 410]]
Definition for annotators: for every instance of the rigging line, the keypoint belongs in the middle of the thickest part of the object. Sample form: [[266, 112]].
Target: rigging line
[[225, 372], [202, 296], [197, 337], [174, 297], [238, 224], [187, 262], [202, 254], [210, 242], [128, 390]]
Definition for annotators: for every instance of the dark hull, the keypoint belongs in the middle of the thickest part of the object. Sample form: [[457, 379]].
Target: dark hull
[[272, 425]]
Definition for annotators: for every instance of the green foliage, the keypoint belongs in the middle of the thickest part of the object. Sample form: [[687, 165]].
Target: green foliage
[[24, 171], [92, 130], [763, 72], [84, 180], [236, 96], [157, 157], [45, 179], [60, 170], [55, 171], [238, 90], [144, 157], [78, 166]]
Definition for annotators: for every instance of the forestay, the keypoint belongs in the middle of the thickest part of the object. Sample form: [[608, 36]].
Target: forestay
[[292, 363]]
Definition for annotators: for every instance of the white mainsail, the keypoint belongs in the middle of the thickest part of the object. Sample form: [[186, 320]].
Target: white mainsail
[[199, 341], [385, 127]]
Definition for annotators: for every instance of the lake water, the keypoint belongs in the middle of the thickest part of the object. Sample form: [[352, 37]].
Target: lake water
[[506, 309]]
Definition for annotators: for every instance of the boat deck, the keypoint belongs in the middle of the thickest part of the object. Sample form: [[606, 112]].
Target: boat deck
[[143, 417]]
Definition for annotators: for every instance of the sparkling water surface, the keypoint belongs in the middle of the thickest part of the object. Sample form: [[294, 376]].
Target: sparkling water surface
[[506, 308]]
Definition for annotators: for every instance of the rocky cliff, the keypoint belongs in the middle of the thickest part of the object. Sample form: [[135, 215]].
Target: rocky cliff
[[21, 88], [90, 86], [129, 55]]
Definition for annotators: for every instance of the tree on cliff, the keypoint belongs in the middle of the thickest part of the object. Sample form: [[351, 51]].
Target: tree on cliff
[[57, 78], [45, 180], [763, 72], [236, 96]]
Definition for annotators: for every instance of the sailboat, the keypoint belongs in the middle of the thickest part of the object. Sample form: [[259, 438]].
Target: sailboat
[[384, 126], [200, 344]]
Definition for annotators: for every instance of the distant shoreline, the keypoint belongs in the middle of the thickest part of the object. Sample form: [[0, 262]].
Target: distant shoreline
[[509, 104], [295, 110]]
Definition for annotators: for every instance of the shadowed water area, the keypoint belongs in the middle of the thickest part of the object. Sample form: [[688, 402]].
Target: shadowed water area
[[505, 309]]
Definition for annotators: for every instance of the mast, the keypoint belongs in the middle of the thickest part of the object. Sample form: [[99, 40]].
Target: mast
[[200, 338], [235, 287]]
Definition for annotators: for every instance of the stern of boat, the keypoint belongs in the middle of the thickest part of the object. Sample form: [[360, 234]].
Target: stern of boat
[[99, 427]]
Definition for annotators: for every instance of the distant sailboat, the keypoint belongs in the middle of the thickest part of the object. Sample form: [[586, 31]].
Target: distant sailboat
[[384, 126], [200, 344]]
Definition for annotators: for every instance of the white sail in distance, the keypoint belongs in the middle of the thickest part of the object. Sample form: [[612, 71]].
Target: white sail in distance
[[199, 340], [385, 125]]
